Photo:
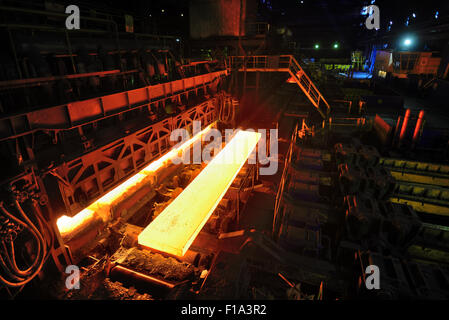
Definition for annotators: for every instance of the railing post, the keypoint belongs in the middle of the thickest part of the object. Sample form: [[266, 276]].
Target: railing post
[[404, 127], [418, 127]]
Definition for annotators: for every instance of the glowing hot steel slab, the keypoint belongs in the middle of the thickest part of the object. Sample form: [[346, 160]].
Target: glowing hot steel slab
[[102, 206], [174, 230]]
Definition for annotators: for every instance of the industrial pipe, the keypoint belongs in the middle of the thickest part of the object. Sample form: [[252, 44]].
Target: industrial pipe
[[404, 127], [419, 124], [396, 130], [121, 270]]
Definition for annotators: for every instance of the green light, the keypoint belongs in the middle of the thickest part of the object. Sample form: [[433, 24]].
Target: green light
[[317, 46], [336, 45]]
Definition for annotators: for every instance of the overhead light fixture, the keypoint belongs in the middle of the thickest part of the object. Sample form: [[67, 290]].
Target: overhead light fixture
[[336, 45], [317, 46], [407, 42]]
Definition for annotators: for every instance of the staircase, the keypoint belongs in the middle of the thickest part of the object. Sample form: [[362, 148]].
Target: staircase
[[282, 63]]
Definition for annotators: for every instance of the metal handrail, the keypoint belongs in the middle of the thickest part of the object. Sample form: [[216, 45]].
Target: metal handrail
[[312, 90], [280, 193], [286, 63]]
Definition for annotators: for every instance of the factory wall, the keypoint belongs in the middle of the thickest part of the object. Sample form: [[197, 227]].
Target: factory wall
[[212, 18]]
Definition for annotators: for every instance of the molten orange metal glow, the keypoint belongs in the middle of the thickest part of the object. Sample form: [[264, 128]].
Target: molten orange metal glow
[[292, 79], [174, 230], [102, 207]]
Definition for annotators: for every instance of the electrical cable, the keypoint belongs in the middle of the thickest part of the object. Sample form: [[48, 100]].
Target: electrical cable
[[11, 259], [15, 277]]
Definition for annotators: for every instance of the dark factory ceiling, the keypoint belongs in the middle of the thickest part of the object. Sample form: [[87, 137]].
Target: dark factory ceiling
[[322, 20], [310, 21]]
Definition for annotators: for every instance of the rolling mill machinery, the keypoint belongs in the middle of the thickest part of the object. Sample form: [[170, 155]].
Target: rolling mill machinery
[[132, 172], [78, 121]]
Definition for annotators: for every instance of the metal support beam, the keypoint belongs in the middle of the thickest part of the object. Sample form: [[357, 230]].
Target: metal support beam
[[282, 63]]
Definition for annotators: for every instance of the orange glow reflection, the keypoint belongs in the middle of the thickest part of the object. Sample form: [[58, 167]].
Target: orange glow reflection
[[292, 79], [175, 228], [102, 206]]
